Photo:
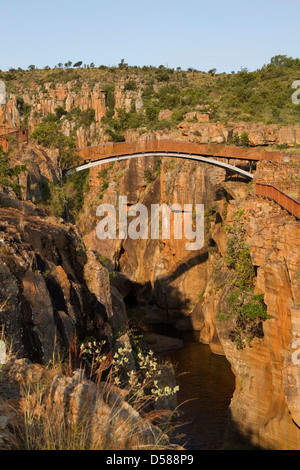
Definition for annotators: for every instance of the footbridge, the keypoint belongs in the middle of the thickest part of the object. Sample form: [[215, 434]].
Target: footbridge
[[224, 156], [6, 133]]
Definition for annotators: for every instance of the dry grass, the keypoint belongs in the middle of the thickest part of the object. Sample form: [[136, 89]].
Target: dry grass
[[60, 409], [90, 421]]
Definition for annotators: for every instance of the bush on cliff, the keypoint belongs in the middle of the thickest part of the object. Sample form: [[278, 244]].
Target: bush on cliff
[[67, 199], [49, 134], [248, 309], [8, 174]]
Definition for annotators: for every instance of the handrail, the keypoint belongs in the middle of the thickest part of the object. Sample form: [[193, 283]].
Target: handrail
[[111, 149], [20, 133], [284, 200]]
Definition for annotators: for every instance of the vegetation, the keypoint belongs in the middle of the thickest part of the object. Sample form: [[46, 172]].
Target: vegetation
[[82, 118], [66, 199], [49, 134], [247, 309], [152, 176], [107, 388], [263, 95], [8, 174]]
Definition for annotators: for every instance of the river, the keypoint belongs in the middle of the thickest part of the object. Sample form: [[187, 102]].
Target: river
[[206, 387]]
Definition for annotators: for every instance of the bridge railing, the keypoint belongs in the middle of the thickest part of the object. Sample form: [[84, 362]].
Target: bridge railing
[[292, 188], [5, 133], [270, 191], [143, 146]]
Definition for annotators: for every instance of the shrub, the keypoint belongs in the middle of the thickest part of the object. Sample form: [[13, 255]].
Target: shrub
[[115, 136], [24, 109], [8, 174], [235, 139], [248, 309], [162, 76], [130, 85], [109, 90], [245, 139], [68, 197], [152, 114], [49, 134], [82, 118], [149, 176]]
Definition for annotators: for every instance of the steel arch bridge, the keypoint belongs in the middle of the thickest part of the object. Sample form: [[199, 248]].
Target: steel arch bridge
[[214, 154]]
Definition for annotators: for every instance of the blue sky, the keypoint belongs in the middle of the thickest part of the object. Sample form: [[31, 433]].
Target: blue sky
[[222, 34]]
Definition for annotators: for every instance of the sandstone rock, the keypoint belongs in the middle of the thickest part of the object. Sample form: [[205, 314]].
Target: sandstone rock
[[36, 293], [97, 279], [118, 320], [264, 407], [164, 114], [160, 343], [43, 294], [113, 423]]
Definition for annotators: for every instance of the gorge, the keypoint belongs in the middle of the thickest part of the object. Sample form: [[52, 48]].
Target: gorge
[[238, 295]]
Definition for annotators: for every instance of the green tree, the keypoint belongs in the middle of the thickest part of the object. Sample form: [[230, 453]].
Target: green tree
[[130, 85], [122, 64], [49, 135], [245, 139]]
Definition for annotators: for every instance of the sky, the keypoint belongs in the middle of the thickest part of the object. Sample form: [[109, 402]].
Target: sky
[[224, 34]]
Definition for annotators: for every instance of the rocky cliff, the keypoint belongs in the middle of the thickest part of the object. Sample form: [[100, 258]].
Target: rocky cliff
[[190, 289], [263, 411], [45, 299], [57, 278], [87, 109]]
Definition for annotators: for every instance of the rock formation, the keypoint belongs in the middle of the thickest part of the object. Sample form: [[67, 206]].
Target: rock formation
[[179, 287], [58, 278], [42, 99]]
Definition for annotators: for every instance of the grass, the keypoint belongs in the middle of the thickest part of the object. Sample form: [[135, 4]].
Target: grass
[[88, 425], [89, 402]]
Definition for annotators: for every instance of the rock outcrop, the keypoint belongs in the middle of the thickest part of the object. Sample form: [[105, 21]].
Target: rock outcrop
[[44, 298], [181, 288], [263, 411], [72, 412], [42, 99]]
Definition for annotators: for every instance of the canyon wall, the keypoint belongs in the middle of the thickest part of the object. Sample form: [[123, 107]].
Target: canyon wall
[[45, 98], [50, 282], [264, 411], [44, 297], [182, 288]]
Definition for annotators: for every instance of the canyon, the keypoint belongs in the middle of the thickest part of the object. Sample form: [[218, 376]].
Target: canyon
[[58, 277]]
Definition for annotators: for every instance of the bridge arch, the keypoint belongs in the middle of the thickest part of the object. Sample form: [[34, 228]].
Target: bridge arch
[[158, 154]]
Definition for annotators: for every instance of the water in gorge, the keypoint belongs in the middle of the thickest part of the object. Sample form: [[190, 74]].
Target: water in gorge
[[206, 387]]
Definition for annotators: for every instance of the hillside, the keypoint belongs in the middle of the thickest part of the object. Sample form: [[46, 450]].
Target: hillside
[[105, 103]]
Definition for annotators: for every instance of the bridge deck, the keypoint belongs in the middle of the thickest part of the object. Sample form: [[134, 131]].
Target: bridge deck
[[93, 155], [98, 152]]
